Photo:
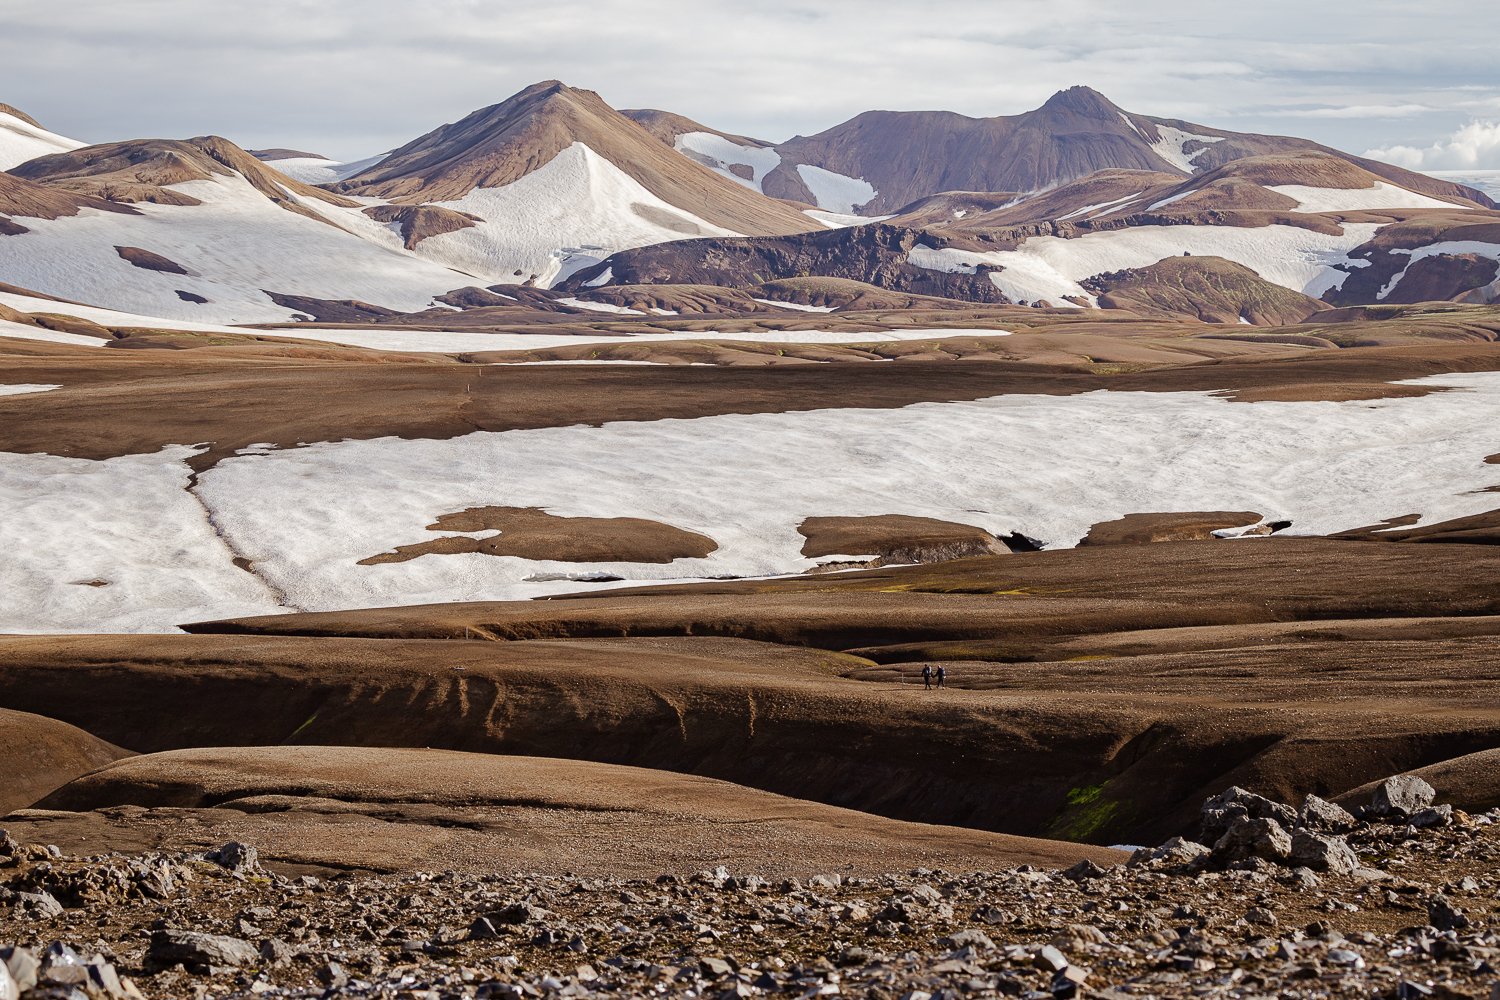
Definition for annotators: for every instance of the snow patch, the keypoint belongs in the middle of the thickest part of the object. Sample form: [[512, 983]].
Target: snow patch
[[1490, 250], [719, 154], [570, 213], [21, 141], [1382, 195], [25, 389], [835, 192], [603, 307], [797, 306], [20, 331], [843, 220], [1169, 146], [316, 170], [1050, 267]]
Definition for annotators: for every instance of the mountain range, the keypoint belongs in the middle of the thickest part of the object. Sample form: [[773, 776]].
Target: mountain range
[[1076, 204]]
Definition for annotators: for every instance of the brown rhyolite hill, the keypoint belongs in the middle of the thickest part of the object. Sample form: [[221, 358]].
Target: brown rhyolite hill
[[1211, 289], [500, 144], [144, 170], [910, 155]]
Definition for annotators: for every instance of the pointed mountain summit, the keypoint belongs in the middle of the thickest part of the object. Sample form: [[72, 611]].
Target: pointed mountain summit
[[499, 145]]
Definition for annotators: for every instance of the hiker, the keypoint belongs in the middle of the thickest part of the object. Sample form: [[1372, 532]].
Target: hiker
[[927, 676], [942, 674]]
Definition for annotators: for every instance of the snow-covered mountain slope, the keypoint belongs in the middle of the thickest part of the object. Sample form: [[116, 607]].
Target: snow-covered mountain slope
[[569, 213], [22, 138], [207, 234]]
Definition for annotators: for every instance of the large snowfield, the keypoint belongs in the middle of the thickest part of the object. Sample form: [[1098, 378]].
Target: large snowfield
[[124, 545]]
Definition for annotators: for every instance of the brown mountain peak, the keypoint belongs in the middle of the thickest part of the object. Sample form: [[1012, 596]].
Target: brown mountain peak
[[1085, 101]]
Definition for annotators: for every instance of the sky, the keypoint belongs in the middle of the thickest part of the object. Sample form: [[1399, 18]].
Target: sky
[[1414, 83]]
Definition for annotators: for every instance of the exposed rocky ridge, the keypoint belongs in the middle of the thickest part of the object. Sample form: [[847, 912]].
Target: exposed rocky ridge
[[14, 112], [500, 144], [874, 254]]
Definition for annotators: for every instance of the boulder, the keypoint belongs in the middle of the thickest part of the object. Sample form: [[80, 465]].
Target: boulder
[[23, 966], [1175, 852], [241, 859], [1322, 815], [1401, 796], [1253, 838], [1324, 854], [199, 951], [1224, 810], [1432, 816]]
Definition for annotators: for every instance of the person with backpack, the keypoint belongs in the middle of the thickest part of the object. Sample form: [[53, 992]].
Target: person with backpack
[[942, 675], [927, 677]]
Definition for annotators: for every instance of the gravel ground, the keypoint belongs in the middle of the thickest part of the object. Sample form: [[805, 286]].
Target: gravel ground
[[1311, 902]]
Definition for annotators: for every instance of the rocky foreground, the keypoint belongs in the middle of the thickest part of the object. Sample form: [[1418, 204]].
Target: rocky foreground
[[1397, 901]]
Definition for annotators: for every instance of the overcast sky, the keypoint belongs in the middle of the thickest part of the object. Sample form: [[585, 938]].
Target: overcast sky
[[1417, 79]]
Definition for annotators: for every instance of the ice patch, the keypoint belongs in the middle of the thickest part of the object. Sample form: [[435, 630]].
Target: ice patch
[[719, 154], [316, 170], [838, 220], [603, 307], [797, 306], [1382, 195], [20, 331], [1169, 146], [835, 192], [21, 141], [1102, 208]]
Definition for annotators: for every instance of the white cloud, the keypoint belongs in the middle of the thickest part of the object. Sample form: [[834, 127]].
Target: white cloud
[[353, 77], [1360, 111], [1476, 146]]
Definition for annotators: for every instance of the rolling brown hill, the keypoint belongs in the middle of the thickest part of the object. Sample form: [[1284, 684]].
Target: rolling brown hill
[[500, 144]]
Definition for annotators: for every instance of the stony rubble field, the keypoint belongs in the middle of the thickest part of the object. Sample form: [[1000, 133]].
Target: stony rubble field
[[1399, 899]]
